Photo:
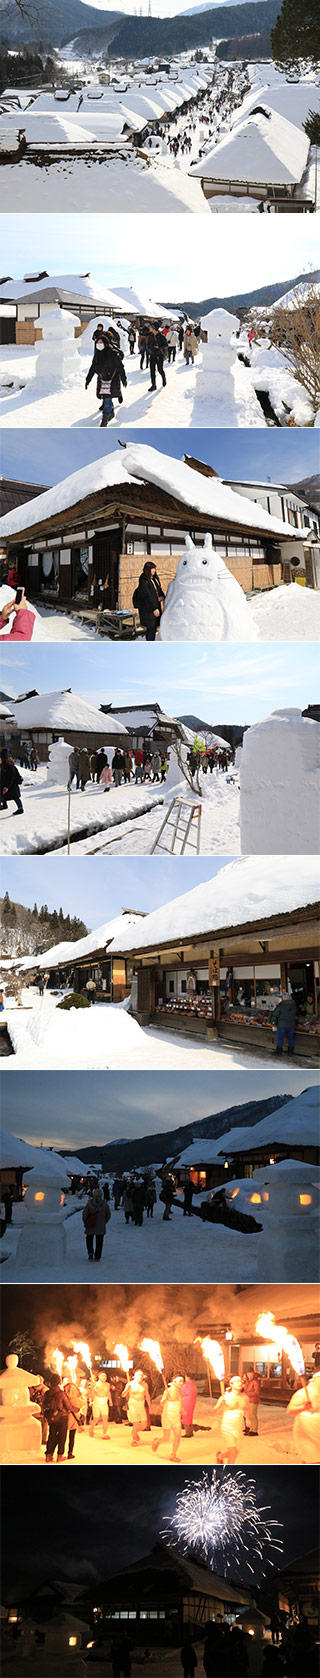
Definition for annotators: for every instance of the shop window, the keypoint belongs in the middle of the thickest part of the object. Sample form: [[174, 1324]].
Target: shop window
[[171, 987], [183, 986]]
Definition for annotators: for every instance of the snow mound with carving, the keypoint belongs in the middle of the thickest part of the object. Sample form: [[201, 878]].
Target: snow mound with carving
[[204, 602]]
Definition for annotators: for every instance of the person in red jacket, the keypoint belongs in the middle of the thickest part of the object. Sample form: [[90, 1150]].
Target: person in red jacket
[[13, 576], [138, 758], [189, 1400], [23, 622], [252, 1389]]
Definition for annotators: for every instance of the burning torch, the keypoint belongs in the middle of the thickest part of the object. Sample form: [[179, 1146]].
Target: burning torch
[[81, 1346], [212, 1352], [278, 1334], [153, 1349], [122, 1353]]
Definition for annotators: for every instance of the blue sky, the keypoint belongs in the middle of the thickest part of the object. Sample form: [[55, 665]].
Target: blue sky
[[52, 1109], [219, 684], [165, 259], [45, 457], [100, 893]]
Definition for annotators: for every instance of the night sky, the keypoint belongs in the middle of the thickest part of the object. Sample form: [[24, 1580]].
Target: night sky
[[89, 1523]]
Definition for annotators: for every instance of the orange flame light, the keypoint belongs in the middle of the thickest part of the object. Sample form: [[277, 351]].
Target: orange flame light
[[153, 1349], [278, 1334], [57, 1358], [81, 1346], [213, 1353], [122, 1353]]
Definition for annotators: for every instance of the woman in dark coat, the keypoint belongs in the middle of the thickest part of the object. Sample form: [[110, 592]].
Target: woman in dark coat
[[108, 365], [11, 782], [150, 600]]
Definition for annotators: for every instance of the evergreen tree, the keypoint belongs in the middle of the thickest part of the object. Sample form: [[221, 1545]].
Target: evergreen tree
[[295, 39], [312, 127]]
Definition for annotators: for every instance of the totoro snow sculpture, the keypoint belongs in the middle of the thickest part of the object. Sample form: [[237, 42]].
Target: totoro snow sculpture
[[204, 602]]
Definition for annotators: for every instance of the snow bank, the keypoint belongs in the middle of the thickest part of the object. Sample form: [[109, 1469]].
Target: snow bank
[[287, 613], [280, 785], [245, 891]]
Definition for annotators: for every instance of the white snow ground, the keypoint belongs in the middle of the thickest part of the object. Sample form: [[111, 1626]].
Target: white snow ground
[[107, 1038], [185, 1250], [44, 826], [132, 813], [274, 1443]]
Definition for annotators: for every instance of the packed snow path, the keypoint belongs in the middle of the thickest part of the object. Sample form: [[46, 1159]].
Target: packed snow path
[[133, 814], [44, 825], [184, 1250]]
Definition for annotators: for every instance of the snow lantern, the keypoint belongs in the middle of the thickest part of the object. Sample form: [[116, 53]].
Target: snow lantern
[[43, 1240], [280, 785], [204, 602], [288, 1243], [20, 1428], [215, 376], [58, 766], [58, 360]]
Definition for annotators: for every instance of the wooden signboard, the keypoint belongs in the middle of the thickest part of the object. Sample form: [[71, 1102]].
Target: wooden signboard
[[214, 971]]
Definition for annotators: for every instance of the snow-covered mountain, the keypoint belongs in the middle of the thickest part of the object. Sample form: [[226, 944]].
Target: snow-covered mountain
[[125, 1155]]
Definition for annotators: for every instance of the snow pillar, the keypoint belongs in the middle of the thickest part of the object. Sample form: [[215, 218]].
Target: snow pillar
[[280, 786], [58, 361], [215, 378], [58, 766], [288, 1243]]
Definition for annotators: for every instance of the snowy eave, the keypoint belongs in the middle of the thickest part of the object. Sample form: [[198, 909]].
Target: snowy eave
[[60, 955], [64, 710], [250, 890], [299, 1118], [265, 150]]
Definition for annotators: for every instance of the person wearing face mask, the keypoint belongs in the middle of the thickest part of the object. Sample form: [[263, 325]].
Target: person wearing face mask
[[107, 364]]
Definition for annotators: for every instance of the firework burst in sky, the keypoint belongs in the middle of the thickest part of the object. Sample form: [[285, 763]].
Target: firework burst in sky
[[218, 1518]]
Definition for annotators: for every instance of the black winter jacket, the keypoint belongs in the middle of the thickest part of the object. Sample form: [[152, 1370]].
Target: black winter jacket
[[150, 596], [107, 364]]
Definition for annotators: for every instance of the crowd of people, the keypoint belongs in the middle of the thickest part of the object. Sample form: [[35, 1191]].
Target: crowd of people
[[225, 1650], [156, 345], [137, 766]]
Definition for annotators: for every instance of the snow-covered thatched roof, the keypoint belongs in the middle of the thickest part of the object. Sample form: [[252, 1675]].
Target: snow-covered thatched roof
[[265, 149], [136, 304], [291, 100], [251, 889], [208, 496], [16, 1154], [59, 955], [202, 1152], [63, 711], [298, 1121], [64, 288]]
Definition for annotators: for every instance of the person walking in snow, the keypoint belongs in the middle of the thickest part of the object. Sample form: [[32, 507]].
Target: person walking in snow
[[105, 779], [138, 760], [107, 364], [156, 765], [151, 1197], [164, 766], [187, 1199], [117, 767], [172, 342], [136, 1411], [11, 781], [84, 767], [285, 1015], [188, 1658], [190, 345], [74, 766], [143, 346], [57, 1417], [127, 767], [131, 339], [73, 1402], [95, 1216], [171, 1401], [157, 347]]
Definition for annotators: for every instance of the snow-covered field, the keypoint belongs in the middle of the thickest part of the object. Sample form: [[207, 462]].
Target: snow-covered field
[[26, 401], [107, 1038], [132, 813]]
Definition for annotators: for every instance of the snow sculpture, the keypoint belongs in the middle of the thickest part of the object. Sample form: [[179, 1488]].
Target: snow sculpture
[[58, 361], [204, 602], [231, 1406], [20, 1429], [42, 1243], [280, 785], [215, 377], [288, 1243], [305, 1408], [58, 766]]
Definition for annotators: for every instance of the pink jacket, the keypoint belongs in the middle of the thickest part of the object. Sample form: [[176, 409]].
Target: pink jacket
[[22, 628], [106, 776]]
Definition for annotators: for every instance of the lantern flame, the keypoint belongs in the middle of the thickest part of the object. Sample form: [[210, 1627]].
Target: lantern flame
[[81, 1346], [278, 1334], [213, 1353], [153, 1349], [122, 1353]]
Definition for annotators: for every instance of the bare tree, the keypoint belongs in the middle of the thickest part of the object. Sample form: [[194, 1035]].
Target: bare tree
[[31, 12], [295, 330]]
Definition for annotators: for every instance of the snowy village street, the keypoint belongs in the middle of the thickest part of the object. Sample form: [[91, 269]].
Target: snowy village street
[[27, 401], [127, 818], [42, 1036]]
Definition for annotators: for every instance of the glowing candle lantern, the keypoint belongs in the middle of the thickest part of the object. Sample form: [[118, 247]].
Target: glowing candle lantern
[[42, 1241]]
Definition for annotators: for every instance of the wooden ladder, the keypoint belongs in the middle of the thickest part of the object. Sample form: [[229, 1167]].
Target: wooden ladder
[[177, 826]]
